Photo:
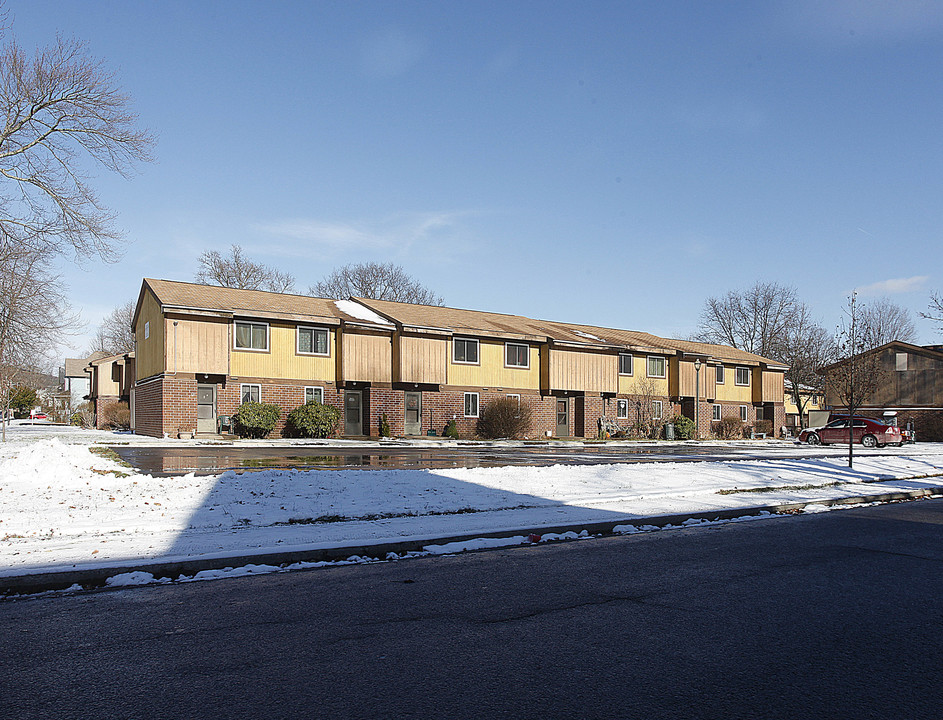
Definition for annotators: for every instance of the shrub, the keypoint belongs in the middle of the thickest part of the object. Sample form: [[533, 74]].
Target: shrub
[[764, 426], [503, 418], [384, 426], [83, 416], [255, 420], [117, 416], [450, 430], [312, 420], [684, 427], [729, 428], [22, 399]]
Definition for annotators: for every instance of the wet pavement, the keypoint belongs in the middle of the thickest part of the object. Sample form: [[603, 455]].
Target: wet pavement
[[213, 459]]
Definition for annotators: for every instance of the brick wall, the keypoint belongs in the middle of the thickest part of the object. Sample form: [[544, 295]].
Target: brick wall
[[102, 402], [148, 410]]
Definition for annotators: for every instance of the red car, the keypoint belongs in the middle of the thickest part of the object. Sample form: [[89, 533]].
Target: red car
[[870, 433]]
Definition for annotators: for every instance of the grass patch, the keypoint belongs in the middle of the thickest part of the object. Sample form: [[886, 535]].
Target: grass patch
[[775, 488], [109, 454], [384, 516]]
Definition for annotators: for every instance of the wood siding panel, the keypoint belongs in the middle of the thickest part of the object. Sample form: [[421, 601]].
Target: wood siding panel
[[688, 382], [282, 360], [197, 345], [422, 359], [772, 385], [490, 372], [150, 351], [586, 371], [366, 358]]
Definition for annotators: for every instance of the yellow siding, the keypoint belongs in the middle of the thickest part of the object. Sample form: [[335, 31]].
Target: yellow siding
[[638, 383], [490, 372], [730, 391], [149, 351], [422, 359], [281, 361], [105, 382], [366, 358], [588, 371]]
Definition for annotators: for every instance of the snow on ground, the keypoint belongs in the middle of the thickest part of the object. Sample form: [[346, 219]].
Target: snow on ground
[[63, 506]]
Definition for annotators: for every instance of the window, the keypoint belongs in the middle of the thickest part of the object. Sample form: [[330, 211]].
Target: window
[[656, 409], [625, 364], [465, 351], [720, 374], [656, 366], [716, 413], [814, 399], [622, 408], [314, 393], [147, 329], [742, 377], [251, 336], [516, 355], [517, 399], [901, 361], [312, 341], [471, 404], [744, 413], [251, 393]]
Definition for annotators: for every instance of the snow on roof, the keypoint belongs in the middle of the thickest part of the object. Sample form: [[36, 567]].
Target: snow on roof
[[355, 309], [587, 335]]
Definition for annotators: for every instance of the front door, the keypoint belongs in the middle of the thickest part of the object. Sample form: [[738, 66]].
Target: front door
[[353, 412], [563, 417], [413, 413], [206, 409]]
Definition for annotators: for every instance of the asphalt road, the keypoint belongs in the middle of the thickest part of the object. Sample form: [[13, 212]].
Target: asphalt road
[[212, 459], [835, 615]]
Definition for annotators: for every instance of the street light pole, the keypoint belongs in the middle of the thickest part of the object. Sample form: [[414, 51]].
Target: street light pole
[[697, 399]]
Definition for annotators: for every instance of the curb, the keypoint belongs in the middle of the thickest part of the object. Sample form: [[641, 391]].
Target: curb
[[95, 577]]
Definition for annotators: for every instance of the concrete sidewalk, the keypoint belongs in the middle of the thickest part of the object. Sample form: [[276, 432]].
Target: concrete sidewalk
[[63, 578]]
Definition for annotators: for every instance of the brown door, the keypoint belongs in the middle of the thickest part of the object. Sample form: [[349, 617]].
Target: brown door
[[413, 413], [563, 418]]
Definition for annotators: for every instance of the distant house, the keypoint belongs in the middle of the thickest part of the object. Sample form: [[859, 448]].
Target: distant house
[[912, 391], [814, 400], [201, 351], [110, 381], [75, 378]]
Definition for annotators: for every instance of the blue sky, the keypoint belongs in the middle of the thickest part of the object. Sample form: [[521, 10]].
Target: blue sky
[[613, 163]]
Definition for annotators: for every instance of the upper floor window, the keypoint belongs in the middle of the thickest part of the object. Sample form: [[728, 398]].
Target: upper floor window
[[656, 366], [147, 329], [743, 376], [251, 336], [720, 374], [312, 341], [516, 355], [625, 364], [465, 350], [901, 361]]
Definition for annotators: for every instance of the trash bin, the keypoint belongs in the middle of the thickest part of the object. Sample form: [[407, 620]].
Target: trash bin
[[669, 431]]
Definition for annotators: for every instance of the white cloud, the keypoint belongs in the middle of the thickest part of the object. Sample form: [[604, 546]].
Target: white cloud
[[894, 286]]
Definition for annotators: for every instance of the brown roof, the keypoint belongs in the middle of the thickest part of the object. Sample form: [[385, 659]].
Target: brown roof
[[248, 303]]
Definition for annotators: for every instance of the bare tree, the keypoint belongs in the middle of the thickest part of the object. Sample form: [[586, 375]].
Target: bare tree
[[379, 281], [114, 335], [935, 310], [806, 347], [883, 321], [755, 320], [34, 315], [235, 270], [856, 373], [61, 107]]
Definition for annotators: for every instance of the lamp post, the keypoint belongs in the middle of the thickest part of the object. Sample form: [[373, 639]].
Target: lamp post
[[697, 399]]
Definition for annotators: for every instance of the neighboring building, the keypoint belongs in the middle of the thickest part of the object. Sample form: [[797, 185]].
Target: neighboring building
[[203, 350], [912, 391], [814, 400], [75, 378], [110, 381]]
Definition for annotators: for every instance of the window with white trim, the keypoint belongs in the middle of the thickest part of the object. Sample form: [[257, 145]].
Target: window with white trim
[[465, 350], [742, 376], [312, 341], [744, 413], [250, 336], [625, 364], [901, 361], [720, 375], [147, 329], [516, 355], [250, 392], [656, 366], [471, 404], [517, 398], [622, 409], [314, 394], [715, 415], [656, 409]]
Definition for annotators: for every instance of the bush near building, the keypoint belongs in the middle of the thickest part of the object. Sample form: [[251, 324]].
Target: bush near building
[[503, 418], [313, 420], [256, 420], [729, 428], [117, 416]]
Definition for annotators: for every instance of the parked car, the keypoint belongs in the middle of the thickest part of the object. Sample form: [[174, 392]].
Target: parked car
[[868, 432], [37, 415]]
